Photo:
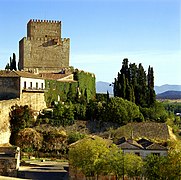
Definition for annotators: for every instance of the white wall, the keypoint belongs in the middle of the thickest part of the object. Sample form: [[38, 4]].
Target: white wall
[[33, 81], [144, 153]]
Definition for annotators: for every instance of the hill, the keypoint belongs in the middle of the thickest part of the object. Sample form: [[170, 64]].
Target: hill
[[169, 95], [167, 87], [103, 87]]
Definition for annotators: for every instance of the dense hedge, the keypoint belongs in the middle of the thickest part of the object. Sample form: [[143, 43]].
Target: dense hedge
[[86, 83], [82, 87]]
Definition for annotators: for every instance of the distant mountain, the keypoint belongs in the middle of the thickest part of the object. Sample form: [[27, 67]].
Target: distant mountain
[[169, 95], [167, 87], [103, 87]]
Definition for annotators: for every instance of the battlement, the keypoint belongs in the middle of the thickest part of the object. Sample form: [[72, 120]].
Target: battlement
[[43, 21]]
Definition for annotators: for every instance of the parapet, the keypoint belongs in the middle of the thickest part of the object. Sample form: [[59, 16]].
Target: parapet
[[43, 21]]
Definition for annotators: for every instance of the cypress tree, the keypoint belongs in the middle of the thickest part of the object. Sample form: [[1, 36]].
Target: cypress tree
[[133, 84], [7, 66], [151, 92], [14, 62]]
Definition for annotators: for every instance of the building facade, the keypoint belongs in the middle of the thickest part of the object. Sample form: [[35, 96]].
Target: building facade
[[28, 87]]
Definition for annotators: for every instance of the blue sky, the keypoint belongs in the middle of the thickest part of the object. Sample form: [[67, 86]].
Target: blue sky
[[103, 33]]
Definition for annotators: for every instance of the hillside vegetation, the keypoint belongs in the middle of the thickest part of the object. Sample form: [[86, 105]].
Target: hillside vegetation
[[79, 112]]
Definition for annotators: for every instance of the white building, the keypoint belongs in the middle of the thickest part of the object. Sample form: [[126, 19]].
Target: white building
[[142, 147]]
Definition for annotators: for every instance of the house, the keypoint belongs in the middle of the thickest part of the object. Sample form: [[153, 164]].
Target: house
[[142, 147], [14, 83], [28, 87]]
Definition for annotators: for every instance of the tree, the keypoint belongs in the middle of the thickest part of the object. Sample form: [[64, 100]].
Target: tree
[[133, 165], [53, 140], [7, 66], [151, 92], [155, 113], [114, 162], [88, 155], [123, 111], [63, 114], [20, 117], [155, 167], [12, 63]]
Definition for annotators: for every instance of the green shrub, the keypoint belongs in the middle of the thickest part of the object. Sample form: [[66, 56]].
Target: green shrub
[[74, 136]]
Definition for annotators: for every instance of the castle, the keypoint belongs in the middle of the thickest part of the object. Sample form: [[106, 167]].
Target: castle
[[43, 48], [43, 54]]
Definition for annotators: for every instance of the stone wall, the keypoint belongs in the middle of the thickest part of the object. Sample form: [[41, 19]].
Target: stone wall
[[35, 100], [44, 28], [9, 88], [43, 53]]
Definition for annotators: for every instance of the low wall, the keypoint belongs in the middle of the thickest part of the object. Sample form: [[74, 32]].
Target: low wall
[[9, 161]]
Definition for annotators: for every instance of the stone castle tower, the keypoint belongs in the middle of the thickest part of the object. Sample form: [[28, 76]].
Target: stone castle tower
[[43, 48]]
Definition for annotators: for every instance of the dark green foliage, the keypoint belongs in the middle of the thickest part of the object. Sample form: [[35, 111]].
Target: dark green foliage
[[59, 89], [7, 66], [172, 107], [117, 110], [53, 140], [79, 111], [154, 167], [63, 114], [74, 136], [20, 117], [155, 113], [81, 90], [12, 64], [101, 97], [133, 84], [122, 111], [86, 82]]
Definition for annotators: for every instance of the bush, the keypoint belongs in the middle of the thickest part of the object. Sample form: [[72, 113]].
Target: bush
[[54, 140], [29, 140], [74, 136]]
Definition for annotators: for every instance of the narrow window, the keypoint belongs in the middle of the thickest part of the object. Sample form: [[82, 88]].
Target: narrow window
[[36, 85], [42, 85], [31, 85], [24, 84]]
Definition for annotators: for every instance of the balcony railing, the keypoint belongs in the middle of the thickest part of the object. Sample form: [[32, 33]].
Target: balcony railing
[[33, 89]]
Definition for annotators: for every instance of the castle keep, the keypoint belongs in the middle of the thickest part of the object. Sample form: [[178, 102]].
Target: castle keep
[[43, 48]]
